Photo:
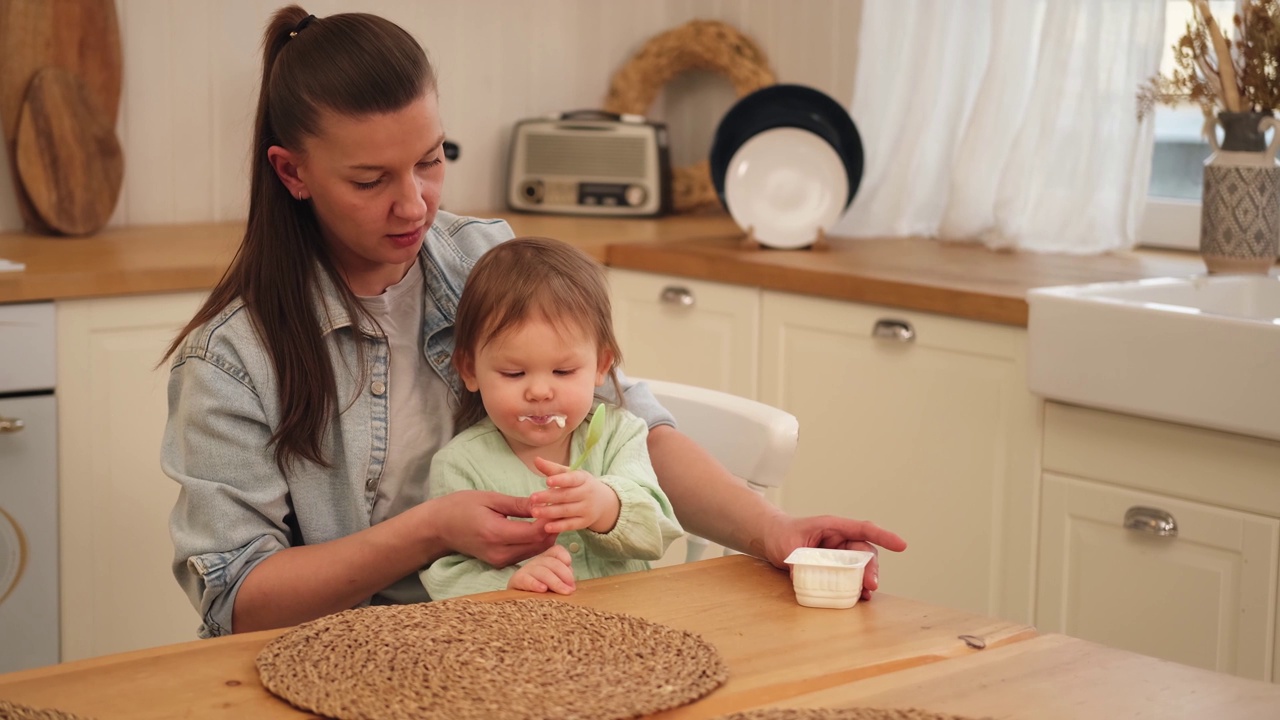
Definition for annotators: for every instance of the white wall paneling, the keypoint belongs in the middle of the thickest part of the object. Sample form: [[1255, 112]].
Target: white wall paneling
[[191, 70]]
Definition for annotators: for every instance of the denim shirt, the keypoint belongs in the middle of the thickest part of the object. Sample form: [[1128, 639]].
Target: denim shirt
[[235, 508]]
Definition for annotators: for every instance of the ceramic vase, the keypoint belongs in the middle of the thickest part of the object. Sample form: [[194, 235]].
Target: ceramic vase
[[1240, 209]]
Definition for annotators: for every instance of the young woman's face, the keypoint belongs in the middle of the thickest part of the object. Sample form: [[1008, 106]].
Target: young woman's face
[[533, 374], [375, 184]]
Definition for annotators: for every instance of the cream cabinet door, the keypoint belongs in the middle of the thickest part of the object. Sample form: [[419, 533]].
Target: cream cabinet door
[[1202, 597], [690, 331], [118, 592], [921, 424]]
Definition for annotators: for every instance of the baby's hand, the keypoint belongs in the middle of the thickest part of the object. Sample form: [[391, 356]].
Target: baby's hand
[[574, 500], [551, 570]]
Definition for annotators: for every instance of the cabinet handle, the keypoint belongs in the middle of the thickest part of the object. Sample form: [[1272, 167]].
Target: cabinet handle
[[1150, 520], [899, 330], [11, 425], [674, 295]]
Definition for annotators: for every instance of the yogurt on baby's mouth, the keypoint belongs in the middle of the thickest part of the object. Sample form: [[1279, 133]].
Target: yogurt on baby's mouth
[[543, 419]]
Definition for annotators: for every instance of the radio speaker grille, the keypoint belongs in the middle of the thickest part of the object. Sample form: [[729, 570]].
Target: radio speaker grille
[[614, 156]]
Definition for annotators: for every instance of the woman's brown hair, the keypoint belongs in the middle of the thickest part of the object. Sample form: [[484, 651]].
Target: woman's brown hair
[[352, 64], [524, 278]]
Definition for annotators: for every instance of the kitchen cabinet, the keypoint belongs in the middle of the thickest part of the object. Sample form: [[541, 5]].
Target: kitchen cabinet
[[689, 331], [933, 436], [695, 332], [117, 590], [1162, 539], [922, 424]]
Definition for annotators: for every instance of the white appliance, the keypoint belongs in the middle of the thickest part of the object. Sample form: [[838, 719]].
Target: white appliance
[[28, 488]]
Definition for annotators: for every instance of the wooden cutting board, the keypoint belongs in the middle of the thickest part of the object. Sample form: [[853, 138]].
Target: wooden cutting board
[[69, 160], [81, 36]]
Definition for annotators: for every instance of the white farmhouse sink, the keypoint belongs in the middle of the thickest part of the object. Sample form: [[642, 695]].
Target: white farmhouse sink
[[1201, 350]]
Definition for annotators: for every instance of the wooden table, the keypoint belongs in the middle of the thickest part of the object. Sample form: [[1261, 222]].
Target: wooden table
[[1055, 677], [888, 652]]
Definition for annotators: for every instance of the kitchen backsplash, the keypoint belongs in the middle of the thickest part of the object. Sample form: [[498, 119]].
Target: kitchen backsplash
[[191, 71]]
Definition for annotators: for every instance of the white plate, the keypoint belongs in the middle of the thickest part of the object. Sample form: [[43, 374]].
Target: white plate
[[785, 184]]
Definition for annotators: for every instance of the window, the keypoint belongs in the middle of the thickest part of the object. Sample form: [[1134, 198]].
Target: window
[[1172, 216]]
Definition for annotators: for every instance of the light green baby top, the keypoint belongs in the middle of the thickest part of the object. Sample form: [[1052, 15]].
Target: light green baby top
[[480, 459]]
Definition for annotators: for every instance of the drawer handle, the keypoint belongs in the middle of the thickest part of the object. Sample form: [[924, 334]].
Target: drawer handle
[[674, 295], [11, 425], [1150, 520], [899, 330]]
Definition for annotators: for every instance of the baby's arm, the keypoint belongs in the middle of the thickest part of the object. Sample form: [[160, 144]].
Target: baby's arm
[[457, 574], [646, 523]]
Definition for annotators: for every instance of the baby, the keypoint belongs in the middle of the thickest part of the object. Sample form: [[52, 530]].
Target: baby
[[533, 340]]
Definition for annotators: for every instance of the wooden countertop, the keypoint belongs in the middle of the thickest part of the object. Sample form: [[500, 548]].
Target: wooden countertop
[[888, 652], [963, 280], [174, 258], [118, 261]]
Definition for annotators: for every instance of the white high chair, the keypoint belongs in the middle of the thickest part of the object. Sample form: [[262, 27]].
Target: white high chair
[[754, 441]]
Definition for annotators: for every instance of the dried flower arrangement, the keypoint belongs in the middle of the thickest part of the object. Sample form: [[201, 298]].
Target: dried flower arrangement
[[1220, 74]]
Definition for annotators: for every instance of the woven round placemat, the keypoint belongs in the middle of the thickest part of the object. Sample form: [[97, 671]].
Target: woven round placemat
[[838, 714], [696, 45], [508, 660], [14, 711]]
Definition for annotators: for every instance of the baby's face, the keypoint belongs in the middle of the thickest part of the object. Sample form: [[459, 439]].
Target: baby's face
[[538, 381]]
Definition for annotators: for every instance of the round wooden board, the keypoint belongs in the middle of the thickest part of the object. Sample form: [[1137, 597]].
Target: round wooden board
[[68, 158], [81, 36]]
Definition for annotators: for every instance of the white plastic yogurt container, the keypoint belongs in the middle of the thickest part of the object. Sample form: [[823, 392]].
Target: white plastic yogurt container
[[828, 578]]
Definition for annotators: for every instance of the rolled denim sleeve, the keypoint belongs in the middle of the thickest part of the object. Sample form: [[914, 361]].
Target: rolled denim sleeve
[[233, 504]]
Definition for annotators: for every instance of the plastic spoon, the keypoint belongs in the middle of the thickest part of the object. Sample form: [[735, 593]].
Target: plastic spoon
[[594, 431]]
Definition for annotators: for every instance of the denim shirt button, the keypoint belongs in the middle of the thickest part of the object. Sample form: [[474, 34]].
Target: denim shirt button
[[378, 387], [370, 483]]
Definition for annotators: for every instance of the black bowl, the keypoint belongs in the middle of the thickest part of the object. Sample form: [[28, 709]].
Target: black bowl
[[779, 106]]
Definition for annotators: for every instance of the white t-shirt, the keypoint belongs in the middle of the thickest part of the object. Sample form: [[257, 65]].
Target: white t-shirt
[[421, 418]]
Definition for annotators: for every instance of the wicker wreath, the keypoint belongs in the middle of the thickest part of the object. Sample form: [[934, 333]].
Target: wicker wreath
[[696, 45]]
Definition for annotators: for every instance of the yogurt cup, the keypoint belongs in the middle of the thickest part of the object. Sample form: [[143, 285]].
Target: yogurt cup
[[826, 577]]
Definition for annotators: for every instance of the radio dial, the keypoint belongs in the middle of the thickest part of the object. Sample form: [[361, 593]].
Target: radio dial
[[532, 191], [636, 195]]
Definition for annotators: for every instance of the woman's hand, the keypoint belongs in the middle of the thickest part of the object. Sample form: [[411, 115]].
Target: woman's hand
[[552, 570], [475, 523], [713, 504], [574, 500], [787, 533]]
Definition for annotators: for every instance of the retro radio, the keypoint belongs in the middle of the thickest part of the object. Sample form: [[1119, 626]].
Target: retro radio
[[590, 163]]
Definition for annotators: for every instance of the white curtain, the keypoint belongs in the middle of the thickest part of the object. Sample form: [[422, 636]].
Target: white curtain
[[1008, 121]]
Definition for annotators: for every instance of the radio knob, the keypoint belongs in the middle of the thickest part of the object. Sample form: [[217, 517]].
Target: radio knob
[[636, 195], [532, 191]]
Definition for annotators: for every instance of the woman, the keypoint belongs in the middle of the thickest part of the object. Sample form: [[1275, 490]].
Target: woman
[[308, 394]]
